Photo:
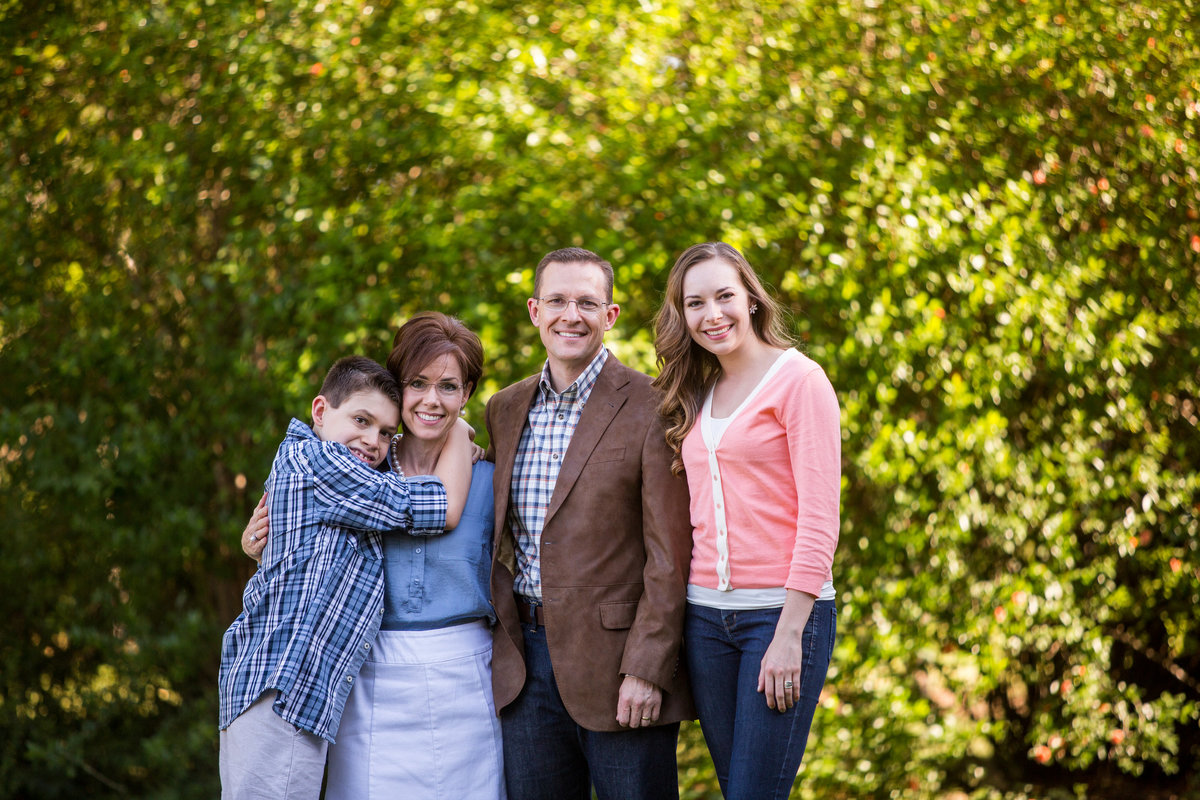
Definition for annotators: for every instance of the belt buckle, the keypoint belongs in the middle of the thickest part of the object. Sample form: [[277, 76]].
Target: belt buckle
[[533, 606]]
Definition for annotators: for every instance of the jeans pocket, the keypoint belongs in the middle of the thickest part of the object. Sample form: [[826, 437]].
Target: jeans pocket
[[832, 638], [819, 635]]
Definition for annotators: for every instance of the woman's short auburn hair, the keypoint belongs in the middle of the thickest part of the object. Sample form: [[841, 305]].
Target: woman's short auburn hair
[[430, 335]]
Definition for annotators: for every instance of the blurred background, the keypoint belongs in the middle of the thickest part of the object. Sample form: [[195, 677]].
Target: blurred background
[[983, 216]]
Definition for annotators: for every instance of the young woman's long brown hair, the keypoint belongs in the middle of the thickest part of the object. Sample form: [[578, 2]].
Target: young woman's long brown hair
[[686, 370]]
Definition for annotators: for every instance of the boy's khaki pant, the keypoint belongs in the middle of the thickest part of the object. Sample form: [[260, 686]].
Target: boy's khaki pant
[[265, 758]]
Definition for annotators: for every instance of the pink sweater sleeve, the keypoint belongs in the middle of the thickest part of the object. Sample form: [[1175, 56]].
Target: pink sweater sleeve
[[811, 418]]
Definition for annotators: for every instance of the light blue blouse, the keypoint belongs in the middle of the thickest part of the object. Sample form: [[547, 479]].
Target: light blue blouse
[[436, 581]]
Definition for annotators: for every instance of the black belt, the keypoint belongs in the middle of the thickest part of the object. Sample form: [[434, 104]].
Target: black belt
[[531, 612]]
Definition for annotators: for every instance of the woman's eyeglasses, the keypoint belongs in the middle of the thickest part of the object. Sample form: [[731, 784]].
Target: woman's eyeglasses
[[444, 388]]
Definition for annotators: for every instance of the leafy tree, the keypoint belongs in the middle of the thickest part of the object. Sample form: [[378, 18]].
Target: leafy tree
[[984, 215]]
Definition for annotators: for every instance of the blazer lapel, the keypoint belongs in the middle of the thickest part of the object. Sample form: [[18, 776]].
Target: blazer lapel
[[510, 417], [606, 399]]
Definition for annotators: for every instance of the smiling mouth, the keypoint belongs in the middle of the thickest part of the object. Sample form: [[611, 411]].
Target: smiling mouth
[[571, 334], [425, 416], [361, 456], [717, 333]]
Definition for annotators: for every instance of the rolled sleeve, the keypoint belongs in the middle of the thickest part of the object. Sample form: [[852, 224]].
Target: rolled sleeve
[[352, 495], [812, 423], [427, 500]]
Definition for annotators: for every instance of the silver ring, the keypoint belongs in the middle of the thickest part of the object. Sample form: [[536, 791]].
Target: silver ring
[[253, 538], [787, 684]]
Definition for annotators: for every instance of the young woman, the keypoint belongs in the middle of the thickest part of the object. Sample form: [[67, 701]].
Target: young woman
[[756, 426]]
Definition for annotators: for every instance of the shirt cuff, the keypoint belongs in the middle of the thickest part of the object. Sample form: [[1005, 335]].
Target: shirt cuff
[[427, 499]]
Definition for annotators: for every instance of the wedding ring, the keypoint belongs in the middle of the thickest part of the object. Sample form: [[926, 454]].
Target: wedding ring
[[787, 684], [253, 538]]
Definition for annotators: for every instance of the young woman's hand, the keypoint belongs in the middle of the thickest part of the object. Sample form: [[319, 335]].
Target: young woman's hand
[[779, 674]]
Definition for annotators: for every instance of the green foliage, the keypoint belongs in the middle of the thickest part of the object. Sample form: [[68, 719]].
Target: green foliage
[[984, 215]]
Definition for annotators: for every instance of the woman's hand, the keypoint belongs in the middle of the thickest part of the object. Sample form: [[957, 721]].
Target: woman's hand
[[779, 674], [254, 538]]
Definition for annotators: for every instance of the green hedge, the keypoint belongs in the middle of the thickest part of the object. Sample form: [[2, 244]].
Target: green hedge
[[984, 216]]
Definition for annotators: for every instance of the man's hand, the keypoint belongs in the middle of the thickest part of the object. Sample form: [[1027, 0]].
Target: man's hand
[[254, 538], [638, 703]]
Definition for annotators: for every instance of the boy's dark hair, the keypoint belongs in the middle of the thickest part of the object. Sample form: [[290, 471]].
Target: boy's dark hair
[[354, 374]]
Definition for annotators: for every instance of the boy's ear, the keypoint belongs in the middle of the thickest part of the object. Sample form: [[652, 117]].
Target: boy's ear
[[319, 406]]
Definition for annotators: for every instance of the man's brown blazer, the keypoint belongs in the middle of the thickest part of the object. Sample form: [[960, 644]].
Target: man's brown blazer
[[615, 551]]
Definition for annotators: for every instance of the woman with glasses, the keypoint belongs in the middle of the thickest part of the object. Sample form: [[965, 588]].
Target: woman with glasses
[[419, 721], [755, 424]]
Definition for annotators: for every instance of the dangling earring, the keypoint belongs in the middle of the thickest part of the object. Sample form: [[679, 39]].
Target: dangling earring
[[754, 308], [462, 412]]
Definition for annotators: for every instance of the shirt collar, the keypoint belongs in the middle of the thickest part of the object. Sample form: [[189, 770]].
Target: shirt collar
[[300, 430], [582, 385]]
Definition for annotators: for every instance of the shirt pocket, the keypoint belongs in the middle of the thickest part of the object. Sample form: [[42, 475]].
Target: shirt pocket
[[467, 542]]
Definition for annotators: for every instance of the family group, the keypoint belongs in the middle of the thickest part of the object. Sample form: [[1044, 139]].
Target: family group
[[533, 622]]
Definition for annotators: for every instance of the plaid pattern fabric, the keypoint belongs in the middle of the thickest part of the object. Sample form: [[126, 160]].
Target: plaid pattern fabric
[[544, 441], [313, 609]]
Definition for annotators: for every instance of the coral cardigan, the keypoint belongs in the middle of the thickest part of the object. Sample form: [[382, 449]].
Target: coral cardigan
[[765, 494]]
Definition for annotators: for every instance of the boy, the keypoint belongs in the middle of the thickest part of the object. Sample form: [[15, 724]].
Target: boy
[[313, 609]]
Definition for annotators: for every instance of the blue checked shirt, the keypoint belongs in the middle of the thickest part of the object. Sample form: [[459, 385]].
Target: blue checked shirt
[[312, 610], [544, 441]]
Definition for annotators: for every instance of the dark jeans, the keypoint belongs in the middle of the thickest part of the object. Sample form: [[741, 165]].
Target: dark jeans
[[547, 756], [756, 751]]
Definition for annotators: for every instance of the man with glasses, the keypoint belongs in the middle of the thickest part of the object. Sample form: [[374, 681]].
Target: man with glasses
[[590, 559]]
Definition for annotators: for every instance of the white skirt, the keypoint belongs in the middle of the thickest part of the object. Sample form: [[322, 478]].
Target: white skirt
[[420, 721]]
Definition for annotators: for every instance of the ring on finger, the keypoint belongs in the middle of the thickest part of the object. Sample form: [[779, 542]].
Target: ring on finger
[[787, 684], [253, 538]]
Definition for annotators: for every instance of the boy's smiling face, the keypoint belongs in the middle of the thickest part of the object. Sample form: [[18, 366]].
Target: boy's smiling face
[[365, 422]]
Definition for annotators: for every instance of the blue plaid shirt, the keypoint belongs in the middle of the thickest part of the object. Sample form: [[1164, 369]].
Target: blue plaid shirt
[[544, 441], [311, 612]]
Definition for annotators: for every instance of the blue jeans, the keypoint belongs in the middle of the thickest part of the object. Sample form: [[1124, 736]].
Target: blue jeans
[[756, 751], [548, 756]]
